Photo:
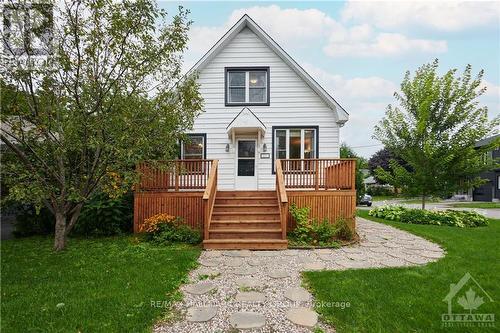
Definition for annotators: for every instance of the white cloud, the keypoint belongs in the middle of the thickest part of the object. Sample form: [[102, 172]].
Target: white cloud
[[353, 89], [296, 28], [289, 25], [365, 44], [491, 98], [441, 15], [365, 98]]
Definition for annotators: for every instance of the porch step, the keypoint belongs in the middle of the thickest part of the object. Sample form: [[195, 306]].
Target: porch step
[[244, 216], [250, 244], [250, 224], [245, 194], [245, 200], [248, 208], [241, 233], [245, 220]]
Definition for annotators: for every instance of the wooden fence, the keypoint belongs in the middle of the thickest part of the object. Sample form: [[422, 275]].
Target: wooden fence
[[188, 205], [317, 174], [174, 175], [324, 204], [178, 188]]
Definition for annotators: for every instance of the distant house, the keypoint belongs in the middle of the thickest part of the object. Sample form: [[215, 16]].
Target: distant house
[[490, 191]]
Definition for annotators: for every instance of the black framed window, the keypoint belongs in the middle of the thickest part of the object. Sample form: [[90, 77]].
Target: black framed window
[[194, 148], [247, 86]]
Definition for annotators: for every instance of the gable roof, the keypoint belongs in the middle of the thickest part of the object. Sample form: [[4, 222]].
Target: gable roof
[[246, 22], [487, 141]]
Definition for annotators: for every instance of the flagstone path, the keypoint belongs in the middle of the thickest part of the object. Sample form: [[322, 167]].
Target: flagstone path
[[260, 291]]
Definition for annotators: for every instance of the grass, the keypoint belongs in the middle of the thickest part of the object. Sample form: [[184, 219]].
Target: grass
[[96, 285], [411, 299], [384, 197], [483, 205], [405, 200]]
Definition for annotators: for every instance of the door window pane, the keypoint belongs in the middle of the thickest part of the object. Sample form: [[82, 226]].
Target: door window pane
[[294, 147], [246, 167], [246, 149]]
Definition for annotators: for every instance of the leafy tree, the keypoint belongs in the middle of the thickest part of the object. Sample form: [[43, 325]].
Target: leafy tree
[[106, 94], [382, 159], [361, 163], [434, 130]]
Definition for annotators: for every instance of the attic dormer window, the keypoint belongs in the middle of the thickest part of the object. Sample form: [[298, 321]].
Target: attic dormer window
[[247, 86]]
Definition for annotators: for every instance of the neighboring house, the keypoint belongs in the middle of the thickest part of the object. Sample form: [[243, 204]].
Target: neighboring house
[[260, 107], [490, 191]]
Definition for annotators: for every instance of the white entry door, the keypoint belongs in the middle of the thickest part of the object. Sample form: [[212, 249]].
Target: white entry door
[[246, 164]]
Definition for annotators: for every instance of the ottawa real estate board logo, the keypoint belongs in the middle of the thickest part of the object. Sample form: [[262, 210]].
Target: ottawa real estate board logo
[[467, 296]]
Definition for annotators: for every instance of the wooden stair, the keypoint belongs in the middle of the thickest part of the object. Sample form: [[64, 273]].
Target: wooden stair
[[245, 220]]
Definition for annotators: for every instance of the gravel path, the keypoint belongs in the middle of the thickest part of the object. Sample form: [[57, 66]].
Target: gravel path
[[260, 290]]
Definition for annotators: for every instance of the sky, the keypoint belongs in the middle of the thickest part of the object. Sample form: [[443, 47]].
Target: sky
[[359, 51]]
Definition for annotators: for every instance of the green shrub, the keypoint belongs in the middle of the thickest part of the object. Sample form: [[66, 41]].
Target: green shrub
[[455, 218], [29, 222], [388, 212], [310, 232], [100, 216], [103, 216], [379, 191], [303, 226], [324, 231], [342, 229], [166, 229], [181, 233]]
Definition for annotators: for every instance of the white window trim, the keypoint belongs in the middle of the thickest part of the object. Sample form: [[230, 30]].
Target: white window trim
[[202, 150], [302, 141], [247, 86]]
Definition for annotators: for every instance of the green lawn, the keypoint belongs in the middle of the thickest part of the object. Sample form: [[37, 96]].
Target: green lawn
[[384, 197], [484, 205], [106, 284], [410, 299]]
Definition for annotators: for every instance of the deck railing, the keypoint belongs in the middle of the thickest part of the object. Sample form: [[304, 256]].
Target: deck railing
[[327, 174], [282, 199], [209, 197], [174, 175]]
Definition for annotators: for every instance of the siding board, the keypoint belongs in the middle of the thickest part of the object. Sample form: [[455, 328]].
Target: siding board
[[292, 102]]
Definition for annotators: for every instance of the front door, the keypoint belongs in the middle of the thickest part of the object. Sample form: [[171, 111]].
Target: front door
[[246, 171]]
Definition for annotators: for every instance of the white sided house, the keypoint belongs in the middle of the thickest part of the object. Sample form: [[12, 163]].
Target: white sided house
[[260, 105], [268, 136]]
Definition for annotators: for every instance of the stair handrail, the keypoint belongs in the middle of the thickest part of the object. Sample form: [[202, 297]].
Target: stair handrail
[[282, 197], [209, 198]]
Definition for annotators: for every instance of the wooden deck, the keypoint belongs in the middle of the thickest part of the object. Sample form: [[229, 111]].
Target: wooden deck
[[246, 219]]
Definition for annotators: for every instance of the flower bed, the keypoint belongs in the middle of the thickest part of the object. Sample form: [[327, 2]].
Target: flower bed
[[454, 218]]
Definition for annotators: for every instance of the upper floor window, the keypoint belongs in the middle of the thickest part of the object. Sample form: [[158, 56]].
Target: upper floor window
[[247, 86], [194, 148]]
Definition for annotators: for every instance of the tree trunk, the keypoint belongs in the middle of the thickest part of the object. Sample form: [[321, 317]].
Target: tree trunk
[[423, 201], [60, 232]]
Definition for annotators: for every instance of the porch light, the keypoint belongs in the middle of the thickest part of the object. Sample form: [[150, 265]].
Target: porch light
[[227, 147], [264, 147]]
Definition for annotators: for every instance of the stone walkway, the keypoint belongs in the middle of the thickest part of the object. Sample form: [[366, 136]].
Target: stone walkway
[[261, 290]]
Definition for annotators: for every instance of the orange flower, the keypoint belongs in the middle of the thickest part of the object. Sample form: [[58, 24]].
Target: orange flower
[[151, 224]]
